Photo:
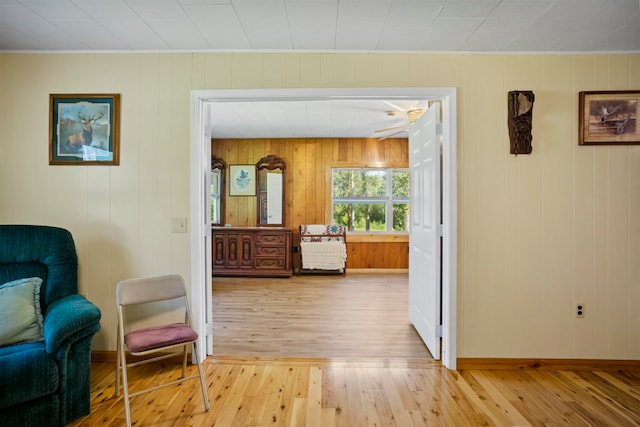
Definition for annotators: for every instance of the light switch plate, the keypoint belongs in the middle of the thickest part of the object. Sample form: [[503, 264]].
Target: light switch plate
[[179, 225]]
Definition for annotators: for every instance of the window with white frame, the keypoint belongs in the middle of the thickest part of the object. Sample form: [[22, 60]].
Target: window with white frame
[[371, 199]]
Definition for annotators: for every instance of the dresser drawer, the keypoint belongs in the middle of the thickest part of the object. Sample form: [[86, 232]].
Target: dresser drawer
[[270, 263], [271, 251], [270, 239]]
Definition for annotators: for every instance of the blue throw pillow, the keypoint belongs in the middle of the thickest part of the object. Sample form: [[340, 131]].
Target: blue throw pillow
[[20, 314]]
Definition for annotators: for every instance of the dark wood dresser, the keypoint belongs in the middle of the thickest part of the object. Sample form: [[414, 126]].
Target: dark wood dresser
[[251, 251]]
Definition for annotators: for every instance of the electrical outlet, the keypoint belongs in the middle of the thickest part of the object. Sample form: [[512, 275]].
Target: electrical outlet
[[579, 310]]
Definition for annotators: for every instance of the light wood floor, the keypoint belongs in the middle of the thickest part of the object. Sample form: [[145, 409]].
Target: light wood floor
[[359, 386], [357, 315], [305, 392]]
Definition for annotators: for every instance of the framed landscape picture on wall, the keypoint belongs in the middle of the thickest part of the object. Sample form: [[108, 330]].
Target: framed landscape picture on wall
[[84, 129], [609, 117]]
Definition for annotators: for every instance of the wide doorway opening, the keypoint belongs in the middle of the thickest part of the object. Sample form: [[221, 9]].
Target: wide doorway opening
[[200, 231]]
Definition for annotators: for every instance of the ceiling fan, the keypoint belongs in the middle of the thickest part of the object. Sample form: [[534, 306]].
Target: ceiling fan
[[409, 117]]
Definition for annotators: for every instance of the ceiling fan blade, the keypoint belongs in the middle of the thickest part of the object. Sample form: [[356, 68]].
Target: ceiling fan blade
[[393, 134], [397, 107], [392, 128]]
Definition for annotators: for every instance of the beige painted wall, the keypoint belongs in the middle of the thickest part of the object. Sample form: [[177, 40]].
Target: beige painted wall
[[536, 233]]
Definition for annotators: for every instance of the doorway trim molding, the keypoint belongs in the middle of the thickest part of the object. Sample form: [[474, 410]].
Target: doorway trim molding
[[200, 130]]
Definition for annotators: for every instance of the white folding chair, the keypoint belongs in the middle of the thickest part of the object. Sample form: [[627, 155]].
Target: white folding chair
[[158, 338]]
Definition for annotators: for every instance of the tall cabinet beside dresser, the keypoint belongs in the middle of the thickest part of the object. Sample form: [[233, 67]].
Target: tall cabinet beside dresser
[[252, 251]]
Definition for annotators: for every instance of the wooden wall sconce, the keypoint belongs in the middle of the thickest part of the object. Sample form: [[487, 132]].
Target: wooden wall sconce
[[519, 120]]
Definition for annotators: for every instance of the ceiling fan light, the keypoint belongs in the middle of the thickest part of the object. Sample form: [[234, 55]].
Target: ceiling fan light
[[415, 114]]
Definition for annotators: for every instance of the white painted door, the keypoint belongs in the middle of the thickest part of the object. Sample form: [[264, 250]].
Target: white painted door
[[425, 230], [200, 240], [208, 270]]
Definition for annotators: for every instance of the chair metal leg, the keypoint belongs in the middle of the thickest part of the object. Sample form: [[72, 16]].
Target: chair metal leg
[[118, 373], [205, 396], [184, 361], [125, 386]]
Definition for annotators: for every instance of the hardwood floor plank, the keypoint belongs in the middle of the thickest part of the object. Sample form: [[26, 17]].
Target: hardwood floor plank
[[388, 384], [341, 395], [501, 400], [273, 402], [530, 399], [353, 406], [314, 398], [481, 400], [620, 380], [596, 399], [328, 417], [298, 412], [232, 400]]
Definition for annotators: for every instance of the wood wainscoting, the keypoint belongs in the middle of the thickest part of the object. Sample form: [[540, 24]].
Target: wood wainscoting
[[377, 251]]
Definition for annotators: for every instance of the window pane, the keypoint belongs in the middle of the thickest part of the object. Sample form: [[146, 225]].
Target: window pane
[[360, 216], [374, 183], [342, 183], [400, 183], [359, 183], [401, 217]]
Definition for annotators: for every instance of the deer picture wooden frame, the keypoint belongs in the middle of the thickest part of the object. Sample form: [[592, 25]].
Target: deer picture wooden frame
[[84, 129]]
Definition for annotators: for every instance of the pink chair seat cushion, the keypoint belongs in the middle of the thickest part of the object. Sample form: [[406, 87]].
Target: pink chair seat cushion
[[159, 336]]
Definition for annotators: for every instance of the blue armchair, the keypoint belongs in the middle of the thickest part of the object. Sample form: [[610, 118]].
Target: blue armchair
[[45, 381]]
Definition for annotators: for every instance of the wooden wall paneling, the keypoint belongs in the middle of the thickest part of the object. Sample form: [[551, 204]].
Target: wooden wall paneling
[[330, 149], [258, 149], [245, 150], [230, 156], [299, 185], [298, 168], [320, 185], [383, 256], [308, 186], [398, 151], [398, 255], [356, 151], [354, 251], [374, 151], [246, 205], [370, 253], [343, 150], [288, 149]]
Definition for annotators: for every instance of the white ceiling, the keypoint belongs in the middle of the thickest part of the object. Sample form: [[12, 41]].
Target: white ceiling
[[319, 25], [326, 25]]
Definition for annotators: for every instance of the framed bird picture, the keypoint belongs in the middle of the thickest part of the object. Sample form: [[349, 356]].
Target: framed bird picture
[[242, 180], [609, 117]]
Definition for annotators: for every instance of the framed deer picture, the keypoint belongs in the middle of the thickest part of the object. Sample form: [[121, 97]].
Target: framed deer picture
[[84, 129]]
